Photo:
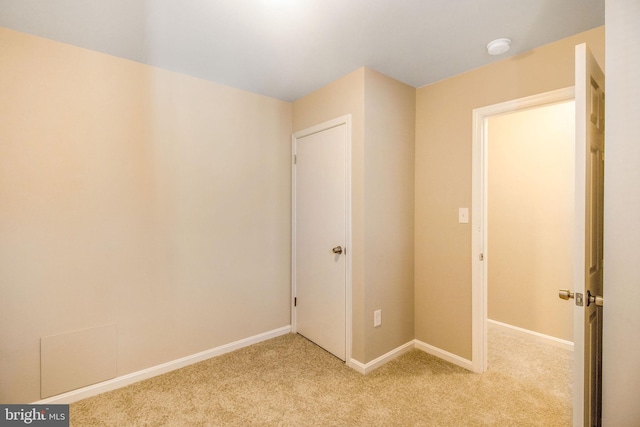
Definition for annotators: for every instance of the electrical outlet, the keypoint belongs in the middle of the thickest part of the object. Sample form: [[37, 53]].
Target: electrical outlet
[[377, 318]]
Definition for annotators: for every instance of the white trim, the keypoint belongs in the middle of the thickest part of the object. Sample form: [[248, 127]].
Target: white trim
[[547, 339], [365, 368], [125, 380], [342, 120], [444, 355], [478, 247], [293, 232], [479, 211]]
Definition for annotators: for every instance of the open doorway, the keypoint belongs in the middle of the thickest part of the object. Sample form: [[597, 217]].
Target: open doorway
[[522, 240], [530, 167], [480, 192], [530, 220]]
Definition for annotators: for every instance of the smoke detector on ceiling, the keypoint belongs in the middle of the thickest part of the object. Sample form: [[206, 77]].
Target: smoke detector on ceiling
[[498, 46]]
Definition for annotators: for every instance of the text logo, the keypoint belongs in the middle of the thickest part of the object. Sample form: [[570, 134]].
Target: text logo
[[34, 415]]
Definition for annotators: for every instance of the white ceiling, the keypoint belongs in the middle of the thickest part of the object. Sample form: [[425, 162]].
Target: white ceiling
[[289, 48]]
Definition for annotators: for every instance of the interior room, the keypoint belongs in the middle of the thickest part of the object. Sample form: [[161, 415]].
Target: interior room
[[147, 217]]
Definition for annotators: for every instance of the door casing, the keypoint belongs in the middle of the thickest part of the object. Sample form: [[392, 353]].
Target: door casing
[[479, 213], [343, 120]]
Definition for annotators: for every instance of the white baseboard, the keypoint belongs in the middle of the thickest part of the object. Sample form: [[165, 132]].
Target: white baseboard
[[124, 380], [567, 345], [445, 355], [385, 358]]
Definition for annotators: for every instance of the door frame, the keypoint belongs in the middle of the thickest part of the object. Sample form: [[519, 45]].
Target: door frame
[[479, 211], [342, 120]]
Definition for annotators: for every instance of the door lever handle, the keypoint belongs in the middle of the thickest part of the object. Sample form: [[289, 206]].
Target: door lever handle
[[337, 250]]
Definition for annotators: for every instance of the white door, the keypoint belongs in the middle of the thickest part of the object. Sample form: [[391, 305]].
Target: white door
[[588, 274], [320, 237]]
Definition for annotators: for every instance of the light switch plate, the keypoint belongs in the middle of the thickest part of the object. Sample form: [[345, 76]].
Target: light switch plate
[[463, 215]]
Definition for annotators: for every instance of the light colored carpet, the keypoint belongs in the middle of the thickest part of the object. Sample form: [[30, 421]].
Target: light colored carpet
[[289, 381]]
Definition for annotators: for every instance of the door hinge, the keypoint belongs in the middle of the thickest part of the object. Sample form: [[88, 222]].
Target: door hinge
[[295, 159], [295, 302], [481, 257]]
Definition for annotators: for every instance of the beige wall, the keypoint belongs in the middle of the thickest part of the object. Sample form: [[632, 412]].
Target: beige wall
[[382, 112], [621, 353], [135, 196], [531, 218], [443, 178], [389, 212]]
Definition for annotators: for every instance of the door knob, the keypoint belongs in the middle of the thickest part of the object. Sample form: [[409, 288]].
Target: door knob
[[337, 250], [593, 299], [565, 294]]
